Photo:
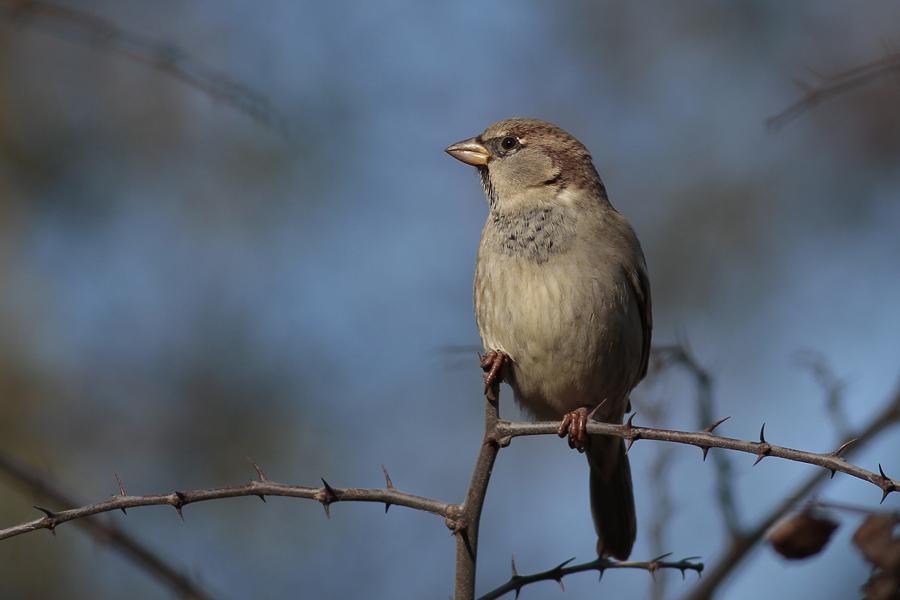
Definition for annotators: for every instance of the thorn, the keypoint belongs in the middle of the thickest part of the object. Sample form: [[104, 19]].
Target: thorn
[[765, 448], [559, 581], [179, 504], [387, 478], [515, 573], [759, 457], [705, 452], [628, 446], [327, 497], [52, 518], [263, 498], [887, 486], [390, 486], [630, 419], [121, 490], [659, 558], [654, 566], [262, 477], [837, 453], [596, 408], [716, 424], [458, 526]]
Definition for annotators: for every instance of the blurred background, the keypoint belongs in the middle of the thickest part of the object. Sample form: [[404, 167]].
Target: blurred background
[[184, 285]]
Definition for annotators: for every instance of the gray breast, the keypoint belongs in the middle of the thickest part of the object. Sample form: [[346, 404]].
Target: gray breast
[[535, 234]]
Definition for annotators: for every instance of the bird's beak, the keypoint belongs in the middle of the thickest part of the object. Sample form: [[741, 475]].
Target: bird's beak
[[471, 151]]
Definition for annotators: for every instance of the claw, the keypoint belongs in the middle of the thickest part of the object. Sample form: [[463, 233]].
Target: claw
[[492, 364], [574, 424]]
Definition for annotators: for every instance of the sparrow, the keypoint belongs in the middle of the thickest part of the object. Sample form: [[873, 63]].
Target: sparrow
[[562, 300]]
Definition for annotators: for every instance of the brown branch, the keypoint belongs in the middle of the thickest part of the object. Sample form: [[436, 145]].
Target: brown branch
[[326, 495], [517, 582], [465, 528], [145, 558], [835, 86], [706, 440], [94, 31]]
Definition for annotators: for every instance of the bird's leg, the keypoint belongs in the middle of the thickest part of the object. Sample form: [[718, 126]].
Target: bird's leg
[[575, 425], [492, 364]]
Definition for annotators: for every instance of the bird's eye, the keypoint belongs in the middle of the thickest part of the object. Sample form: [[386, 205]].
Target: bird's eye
[[508, 143]]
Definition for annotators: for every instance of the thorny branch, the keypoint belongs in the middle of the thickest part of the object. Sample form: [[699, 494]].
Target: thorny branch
[[517, 582], [327, 495], [463, 518], [94, 31], [106, 532], [706, 440]]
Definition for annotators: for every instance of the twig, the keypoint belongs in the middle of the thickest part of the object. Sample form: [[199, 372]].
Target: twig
[[835, 86], [94, 31], [517, 582], [832, 385]]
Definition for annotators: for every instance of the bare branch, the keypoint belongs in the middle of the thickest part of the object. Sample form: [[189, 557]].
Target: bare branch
[[517, 582], [836, 85], [93, 31]]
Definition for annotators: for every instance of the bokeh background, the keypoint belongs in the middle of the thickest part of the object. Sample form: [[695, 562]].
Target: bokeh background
[[183, 286]]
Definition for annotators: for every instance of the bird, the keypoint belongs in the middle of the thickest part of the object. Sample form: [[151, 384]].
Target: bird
[[562, 301]]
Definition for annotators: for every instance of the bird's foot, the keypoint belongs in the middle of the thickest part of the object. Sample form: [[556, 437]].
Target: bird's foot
[[574, 424], [493, 364]]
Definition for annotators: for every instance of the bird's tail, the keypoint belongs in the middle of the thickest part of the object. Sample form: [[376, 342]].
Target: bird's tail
[[612, 497]]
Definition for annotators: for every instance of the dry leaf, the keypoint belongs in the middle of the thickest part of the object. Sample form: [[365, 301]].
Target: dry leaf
[[802, 535]]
